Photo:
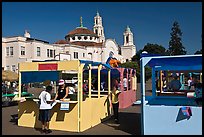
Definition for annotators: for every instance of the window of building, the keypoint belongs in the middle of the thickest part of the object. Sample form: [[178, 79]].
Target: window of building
[[48, 53], [11, 51], [83, 54], [13, 68], [51, 53], [101, 32], [79, 37], [96, 22], [73, 38], [127, 39], [96, 31], [85, 37], [76, 55], [54, 53], [22, 50], [38, 51], [7, 68], [7, 51], [90, 38]]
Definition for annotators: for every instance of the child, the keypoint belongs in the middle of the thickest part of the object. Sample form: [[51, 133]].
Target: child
[[115, 103], [45, 107]]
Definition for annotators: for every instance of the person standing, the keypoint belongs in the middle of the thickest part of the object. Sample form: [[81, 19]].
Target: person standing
[[164, 84], [115, 102], [189, 83], [125, 83], [62, 91], [175, 84], [44, 110]]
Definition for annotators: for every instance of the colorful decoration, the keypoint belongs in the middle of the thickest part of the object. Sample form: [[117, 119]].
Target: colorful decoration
[[186, 111], [113, 62]]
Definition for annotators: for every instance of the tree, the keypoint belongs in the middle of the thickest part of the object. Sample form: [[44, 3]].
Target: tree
[[154, 49], [175, 45], [133, 65], [136, 57], [198, 52], [151, 49]]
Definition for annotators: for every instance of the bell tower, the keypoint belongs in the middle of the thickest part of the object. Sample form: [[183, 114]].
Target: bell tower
[[128, 37], [98, 28], [128, 50]]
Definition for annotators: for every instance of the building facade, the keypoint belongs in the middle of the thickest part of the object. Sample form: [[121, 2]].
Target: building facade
[[78, 44]]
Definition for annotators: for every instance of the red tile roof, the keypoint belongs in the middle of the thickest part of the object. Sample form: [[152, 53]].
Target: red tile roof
[[61, 42], [81, 31]]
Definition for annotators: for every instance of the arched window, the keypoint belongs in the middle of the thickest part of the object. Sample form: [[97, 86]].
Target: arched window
[[73, 38], [79, 37], [96, 31], [85, 37], [127, 39], [90, 56], [96, 22], [111, 54]]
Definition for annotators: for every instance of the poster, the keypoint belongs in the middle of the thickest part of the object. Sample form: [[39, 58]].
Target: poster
[[64, 106]]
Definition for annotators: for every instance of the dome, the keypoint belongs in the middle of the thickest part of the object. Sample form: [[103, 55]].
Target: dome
[[81, 30]]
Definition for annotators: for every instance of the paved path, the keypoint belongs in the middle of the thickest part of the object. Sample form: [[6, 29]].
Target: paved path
[[129, 122]]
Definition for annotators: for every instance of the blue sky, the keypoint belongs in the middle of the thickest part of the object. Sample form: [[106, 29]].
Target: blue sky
[[150, 22]]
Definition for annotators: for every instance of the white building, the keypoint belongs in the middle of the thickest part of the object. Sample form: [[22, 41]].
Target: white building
[[128, 49], [80, 43]]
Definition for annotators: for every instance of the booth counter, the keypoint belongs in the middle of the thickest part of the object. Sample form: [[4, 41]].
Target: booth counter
[[94, 110], [76, 116]]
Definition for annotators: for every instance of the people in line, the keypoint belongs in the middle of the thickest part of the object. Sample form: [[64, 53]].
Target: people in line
[[62, 91], [44, 110], [175, 84]]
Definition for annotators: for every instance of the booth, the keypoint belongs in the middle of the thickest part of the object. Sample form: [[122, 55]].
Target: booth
[[174, 113], [69, 115], [126, 97]]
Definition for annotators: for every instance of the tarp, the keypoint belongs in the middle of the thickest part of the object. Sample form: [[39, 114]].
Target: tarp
[[186, 62], [39, 76], [87, 62]]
